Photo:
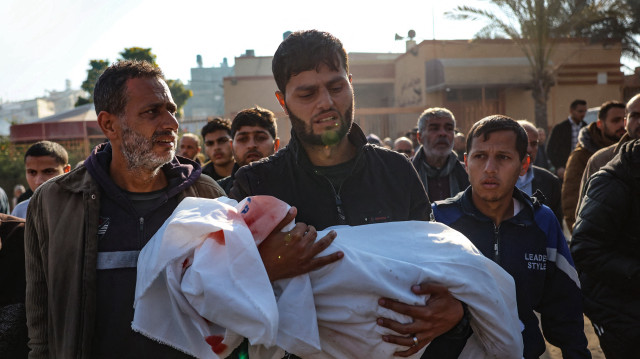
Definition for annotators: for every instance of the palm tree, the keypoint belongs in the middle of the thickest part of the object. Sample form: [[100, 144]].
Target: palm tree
[[536, 26]]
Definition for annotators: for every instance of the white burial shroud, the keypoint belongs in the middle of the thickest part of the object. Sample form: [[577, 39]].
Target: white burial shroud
[[194, 282]]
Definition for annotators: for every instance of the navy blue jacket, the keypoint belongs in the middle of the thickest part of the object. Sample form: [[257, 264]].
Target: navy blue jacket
[[531, 247]]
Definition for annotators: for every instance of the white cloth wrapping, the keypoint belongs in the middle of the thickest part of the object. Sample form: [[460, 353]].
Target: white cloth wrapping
[[328, 313]]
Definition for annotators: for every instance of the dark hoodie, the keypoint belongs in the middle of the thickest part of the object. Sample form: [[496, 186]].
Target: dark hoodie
[[123, 231]]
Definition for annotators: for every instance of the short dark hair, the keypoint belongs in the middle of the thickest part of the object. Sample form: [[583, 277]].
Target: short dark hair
[[216, 124], [256, 116], [577, 103], [604, 109], [497, 123], [110, 92], [307, 50], [48, 148]]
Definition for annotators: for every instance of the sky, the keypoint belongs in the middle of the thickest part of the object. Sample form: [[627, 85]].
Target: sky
[[46, 42]]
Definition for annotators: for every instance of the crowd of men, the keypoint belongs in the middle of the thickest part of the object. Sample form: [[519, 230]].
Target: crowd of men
[[497, 185]]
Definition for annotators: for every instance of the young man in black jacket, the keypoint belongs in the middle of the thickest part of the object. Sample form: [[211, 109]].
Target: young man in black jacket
[[333, 176]]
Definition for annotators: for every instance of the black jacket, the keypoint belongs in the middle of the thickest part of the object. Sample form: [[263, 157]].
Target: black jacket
[[606, 244], [383, 186], [559, 145], [550, 186], [458, 173]]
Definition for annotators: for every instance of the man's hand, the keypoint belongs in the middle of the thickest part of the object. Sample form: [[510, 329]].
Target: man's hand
[[440, 314], [560, 173], [292, 253]]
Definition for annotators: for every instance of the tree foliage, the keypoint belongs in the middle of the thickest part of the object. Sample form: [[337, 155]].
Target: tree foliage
[[96, 68], [179, 93], [536, 26], [139, 53]]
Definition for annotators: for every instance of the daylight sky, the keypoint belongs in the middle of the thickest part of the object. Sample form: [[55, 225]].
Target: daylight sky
[[45, 42]]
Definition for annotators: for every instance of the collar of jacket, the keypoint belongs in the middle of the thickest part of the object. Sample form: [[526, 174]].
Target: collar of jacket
[[524, 217], [626, 164], [419, 159], [624, 139], [181, 173], [592, 138], [355, 136]]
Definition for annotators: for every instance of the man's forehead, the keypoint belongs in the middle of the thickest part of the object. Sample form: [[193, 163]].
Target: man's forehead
[[149, 89], [247, 130], [42, 162], [440, 120], [217, 134], [492, 140]]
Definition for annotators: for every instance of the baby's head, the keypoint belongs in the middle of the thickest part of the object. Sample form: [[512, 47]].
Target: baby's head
[[262, 214]]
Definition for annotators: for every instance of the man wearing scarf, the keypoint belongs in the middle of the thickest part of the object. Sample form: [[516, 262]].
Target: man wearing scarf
[[441, 172]]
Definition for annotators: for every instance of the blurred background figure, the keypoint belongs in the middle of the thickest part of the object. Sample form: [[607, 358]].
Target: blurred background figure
[[405, 146], [190, 147], [459, 145], [18, 190]]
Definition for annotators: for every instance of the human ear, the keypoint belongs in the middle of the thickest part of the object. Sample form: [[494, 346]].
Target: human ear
[[280, 97], [107, 121], [525, 165]]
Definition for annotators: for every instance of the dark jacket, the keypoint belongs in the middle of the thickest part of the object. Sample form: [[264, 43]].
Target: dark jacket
[[227, 182], [383, 186], [458, 177], [210, 171], [590, 140], [61, 250], [550, 186], [13, 321], [559, 144], [606, 244], [529, 246]]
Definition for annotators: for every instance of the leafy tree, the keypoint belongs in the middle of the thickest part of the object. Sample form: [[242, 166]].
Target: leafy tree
[[96, 69], [179, 93], [11, 166], [138, 53], [536, 26], [616, 20]]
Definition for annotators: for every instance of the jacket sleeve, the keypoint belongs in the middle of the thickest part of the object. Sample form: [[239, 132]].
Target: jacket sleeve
[[561, 305], [571, 184], [36, 293], [420, 207], [599, 241], [553, 146]]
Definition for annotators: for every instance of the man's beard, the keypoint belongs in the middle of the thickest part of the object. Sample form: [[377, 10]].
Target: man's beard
[[329, 137], [138, 150]]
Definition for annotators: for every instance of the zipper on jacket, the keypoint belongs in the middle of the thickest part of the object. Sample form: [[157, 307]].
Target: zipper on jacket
[[496, 243], [141, 237]]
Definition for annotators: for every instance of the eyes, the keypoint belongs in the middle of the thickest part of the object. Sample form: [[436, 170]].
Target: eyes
[[484, 156], [311, 92], [220, 141], [258, 138]]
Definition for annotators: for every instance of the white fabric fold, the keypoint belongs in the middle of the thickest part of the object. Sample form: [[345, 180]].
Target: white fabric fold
[[328, 313]]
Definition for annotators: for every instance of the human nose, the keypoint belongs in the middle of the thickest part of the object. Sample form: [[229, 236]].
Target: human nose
[[170, 121], [325, 101], [491, 166]]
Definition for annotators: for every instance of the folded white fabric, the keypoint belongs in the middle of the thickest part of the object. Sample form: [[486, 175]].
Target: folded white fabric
[[201, 273]]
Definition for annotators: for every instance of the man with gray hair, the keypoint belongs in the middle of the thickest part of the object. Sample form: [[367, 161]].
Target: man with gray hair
[[87, 227], [442, 175], [189, 146]]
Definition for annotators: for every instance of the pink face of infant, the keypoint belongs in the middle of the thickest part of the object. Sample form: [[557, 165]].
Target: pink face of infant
[[262, 214]]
